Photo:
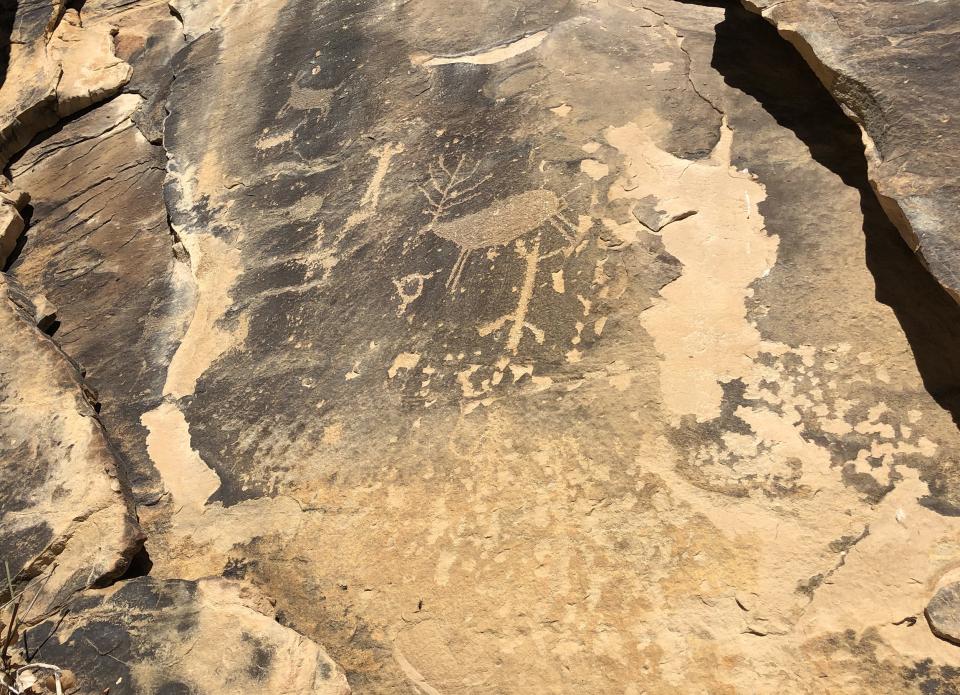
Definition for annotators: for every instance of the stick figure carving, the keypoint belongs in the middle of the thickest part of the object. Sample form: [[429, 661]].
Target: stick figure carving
[[370, 199]]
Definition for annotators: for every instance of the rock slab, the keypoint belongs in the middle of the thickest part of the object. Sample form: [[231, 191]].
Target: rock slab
[[943, 613], [210, 637], [894, 66], [67, 520]]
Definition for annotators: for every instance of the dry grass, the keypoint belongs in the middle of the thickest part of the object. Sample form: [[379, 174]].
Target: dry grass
[[17, 674]]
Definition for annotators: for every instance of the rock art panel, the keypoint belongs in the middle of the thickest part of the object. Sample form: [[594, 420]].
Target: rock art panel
[[471, 313], [483, 207], [513, 347]]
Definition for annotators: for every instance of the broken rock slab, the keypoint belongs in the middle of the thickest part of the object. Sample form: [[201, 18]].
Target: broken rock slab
[[148, 36], [943, 613], [99, 233], [55, 76], [30, 20], [66, 517], [12, 224], [204, 637], [894, 67]]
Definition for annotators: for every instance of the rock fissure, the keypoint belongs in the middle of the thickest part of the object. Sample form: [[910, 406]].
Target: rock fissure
[[920, 205]]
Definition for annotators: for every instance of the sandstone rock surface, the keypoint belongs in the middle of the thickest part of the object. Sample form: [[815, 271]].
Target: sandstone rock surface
[[894, 66], [943, 612], [533, 346], [211, 636], [67, 520], [100, 250], [56, 74]]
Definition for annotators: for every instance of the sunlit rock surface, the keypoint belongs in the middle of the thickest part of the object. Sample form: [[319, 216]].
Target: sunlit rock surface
[[894, 66], [509, 347]]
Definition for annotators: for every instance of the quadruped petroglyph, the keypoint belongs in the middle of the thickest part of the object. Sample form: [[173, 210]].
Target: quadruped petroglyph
[[500, 223]]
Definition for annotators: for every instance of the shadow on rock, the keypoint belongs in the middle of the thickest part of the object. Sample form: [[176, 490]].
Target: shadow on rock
[[752, 57]]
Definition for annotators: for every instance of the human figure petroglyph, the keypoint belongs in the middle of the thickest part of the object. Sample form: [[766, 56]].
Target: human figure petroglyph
[[518, 317], [371, 197]]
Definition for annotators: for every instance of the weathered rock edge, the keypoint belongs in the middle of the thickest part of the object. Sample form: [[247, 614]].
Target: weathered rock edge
[[70, 515], [924, 229]]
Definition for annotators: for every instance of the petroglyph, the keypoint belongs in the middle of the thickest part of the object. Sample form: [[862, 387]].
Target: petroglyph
[[518, 317], [490, 56], [371, 197], [502, 222], [306, 99], [449, 190], [498, 224], [409, 289]]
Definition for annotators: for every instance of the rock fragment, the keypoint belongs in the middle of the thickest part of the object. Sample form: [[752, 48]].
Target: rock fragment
[[894, 67], [98, 233], [205, 637], [56, 75], [66, 516], [12, 224], [943, 613]]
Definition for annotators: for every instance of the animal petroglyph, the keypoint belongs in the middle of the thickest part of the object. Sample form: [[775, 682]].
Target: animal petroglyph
[[371, 197], [306, 99], [498, 224], [501, 223], [457, 189]]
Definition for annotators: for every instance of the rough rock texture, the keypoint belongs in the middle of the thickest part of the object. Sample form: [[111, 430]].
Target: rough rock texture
[[200, 16], [98, 213], [12, 224], [66, 517], [56, 74], [943, 613], [895, 67], [529, 346], [209, 637]]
